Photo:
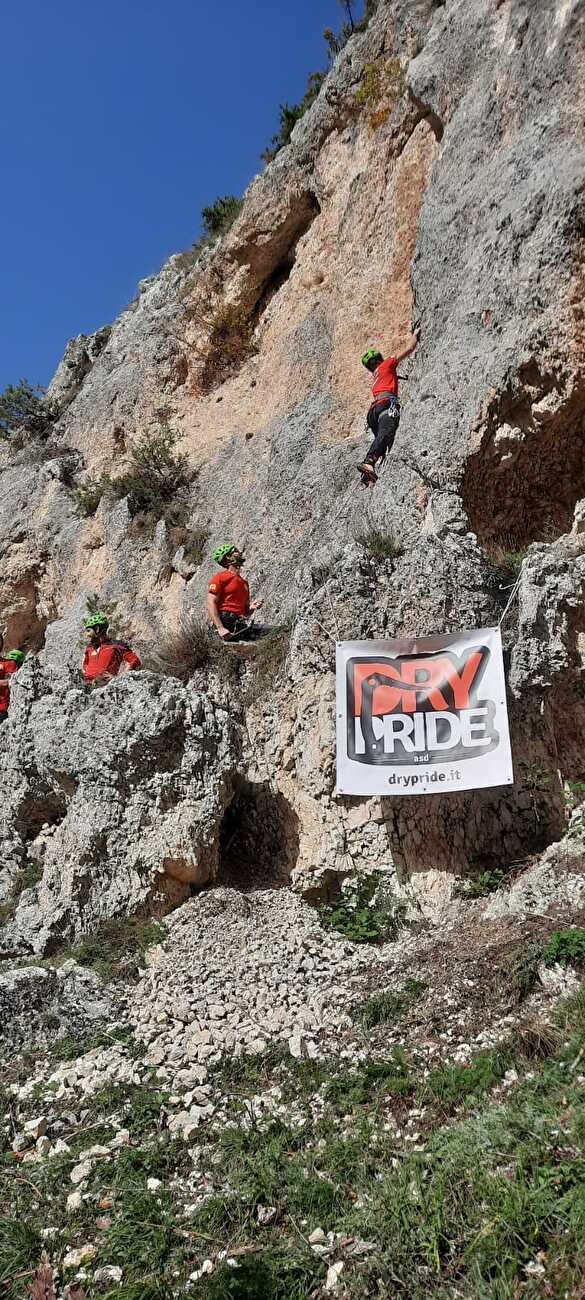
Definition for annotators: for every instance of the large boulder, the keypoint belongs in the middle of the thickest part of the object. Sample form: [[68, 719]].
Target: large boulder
[[117, 792]]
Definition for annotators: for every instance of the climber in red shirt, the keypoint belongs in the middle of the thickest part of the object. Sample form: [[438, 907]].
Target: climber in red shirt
[[384, 413], [104, 657], [8, 665], [228, 598]]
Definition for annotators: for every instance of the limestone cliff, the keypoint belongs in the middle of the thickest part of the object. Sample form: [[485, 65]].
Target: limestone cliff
[[438, 179]]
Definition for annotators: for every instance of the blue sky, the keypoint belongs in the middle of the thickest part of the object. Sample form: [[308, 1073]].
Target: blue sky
[[120, 121]]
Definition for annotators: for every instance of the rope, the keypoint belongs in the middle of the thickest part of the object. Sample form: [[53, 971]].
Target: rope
[[512, 595]]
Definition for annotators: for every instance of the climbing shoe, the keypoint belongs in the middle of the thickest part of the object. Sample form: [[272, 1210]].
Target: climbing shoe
[[368, 472]]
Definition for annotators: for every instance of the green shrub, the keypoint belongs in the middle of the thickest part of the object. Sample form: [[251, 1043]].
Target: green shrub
[[155, 478], [364, 913], [87, 495], [290, 114], [25, 410], [481, 884], [381, 86], [154, 483], [220, 215], [567, 947], [505, 559]]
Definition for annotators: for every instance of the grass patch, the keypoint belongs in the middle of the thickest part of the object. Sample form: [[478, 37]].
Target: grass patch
[[267, 1275], [383, 1008], [71, 1046], [142, 1236], [463, 1215], [20, 1252], [378, 542], [139, 1107], [374, 1080], [453, 1084], [116, 947], [143, 1290], [365, 912]]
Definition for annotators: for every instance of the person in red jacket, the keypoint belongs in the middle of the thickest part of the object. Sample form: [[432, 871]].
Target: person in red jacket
[[228, 597], [8, 665], [384, 412], [104, 657]]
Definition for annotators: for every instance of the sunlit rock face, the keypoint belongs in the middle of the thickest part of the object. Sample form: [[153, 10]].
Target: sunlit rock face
[[438, 181]]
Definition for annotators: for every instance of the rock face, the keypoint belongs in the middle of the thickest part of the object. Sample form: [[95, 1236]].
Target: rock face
[[438, 179], [118, 795], [37, 1003]]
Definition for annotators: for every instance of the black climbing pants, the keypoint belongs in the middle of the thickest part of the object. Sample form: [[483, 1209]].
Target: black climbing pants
[[383, 420], [240, 628]]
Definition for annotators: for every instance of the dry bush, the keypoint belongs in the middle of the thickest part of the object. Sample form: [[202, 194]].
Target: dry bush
[[195, 543], [379, 543], [536, 1039], [191, 647], [504, 557], [228, 347]]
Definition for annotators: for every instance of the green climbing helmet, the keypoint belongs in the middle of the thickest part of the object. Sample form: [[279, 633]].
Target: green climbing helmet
[[16, 655], [221, 551], [95, 621], [372, 354]]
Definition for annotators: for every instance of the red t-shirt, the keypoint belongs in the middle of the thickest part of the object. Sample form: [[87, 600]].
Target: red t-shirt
[[232, 593], [108, 658], [385, 377], [7, 666]]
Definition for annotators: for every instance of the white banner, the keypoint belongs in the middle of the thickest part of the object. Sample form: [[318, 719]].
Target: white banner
[[422, 717]]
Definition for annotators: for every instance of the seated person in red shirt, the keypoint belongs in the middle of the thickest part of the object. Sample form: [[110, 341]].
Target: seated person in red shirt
[[104, 657], [8, 665], [228, 599], [384, 413]]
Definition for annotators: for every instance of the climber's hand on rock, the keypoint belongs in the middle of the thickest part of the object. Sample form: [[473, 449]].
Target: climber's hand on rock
[[256, 604]]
